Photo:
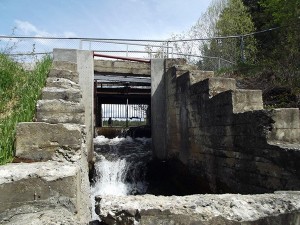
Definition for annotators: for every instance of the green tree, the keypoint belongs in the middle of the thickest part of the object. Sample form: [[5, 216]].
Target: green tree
[[284, 56], [236, 20]]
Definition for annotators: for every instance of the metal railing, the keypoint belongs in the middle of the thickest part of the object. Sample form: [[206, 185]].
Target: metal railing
[[208, 53], [124, 114]]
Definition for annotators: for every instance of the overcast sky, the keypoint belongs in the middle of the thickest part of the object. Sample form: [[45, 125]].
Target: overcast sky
[[136, 19]]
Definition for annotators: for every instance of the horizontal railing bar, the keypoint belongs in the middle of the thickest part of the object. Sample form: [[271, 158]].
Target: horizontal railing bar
[[121, 57]]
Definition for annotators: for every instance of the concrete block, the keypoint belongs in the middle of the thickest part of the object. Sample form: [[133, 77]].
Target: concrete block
[[286, 118], [60, 117], [215, 85], [198, 75], [247, 100], [62, 73], [285, 135], [41, 184], [67, 94], [60, 111], [64, 65], [174, 62], [43, 141], [61, 83]]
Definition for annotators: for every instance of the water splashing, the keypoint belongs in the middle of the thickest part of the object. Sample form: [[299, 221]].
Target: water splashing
[[120, 167]]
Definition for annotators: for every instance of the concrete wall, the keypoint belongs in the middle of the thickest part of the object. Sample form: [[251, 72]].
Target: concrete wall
[[223, 135]]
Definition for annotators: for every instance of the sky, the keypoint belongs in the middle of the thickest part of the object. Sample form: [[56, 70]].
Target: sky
[[132, 19]]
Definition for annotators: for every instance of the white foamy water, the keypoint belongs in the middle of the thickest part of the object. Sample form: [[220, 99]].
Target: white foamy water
[[120, 166], [111, 177]]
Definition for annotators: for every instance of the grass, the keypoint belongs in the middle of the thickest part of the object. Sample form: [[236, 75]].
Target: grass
[[19, 92]]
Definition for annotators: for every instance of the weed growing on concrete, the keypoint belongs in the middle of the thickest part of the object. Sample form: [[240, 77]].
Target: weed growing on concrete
[[19, 91]]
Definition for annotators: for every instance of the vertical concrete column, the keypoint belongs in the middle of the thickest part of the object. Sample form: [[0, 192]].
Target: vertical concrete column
[[158, 108], [85, 67]]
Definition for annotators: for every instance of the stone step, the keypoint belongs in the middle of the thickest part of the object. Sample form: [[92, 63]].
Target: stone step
[[61, 83], [175, 63], [63, 73], [40, 141], [67, 94], [60, 111], [31, 187], [214, 86], [199, 75], [247, 100], [286, 127], [64, 65]]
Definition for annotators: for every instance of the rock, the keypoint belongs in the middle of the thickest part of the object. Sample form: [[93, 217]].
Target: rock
[[228, 209]]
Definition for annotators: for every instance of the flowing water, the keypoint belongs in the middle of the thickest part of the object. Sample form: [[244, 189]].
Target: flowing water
[[120, 167]]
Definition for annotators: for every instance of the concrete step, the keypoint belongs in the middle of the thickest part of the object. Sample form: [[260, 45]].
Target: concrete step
[[40, 141], [67, 94], [64, 65], [61, 83], [175, 62], [60, 111], [214, 86], [31, 187], [247, 100], [199, 75], [286, 127], [63, 73]]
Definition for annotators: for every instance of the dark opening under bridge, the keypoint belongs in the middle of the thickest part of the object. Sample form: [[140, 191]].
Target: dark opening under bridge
[[122, 91]]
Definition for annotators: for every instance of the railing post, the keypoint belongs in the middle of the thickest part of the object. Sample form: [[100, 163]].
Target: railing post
[[242, 49], [127, 112], [80, 44]]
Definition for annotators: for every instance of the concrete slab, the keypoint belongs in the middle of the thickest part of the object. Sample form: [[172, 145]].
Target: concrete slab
[[39, 184], [43, 141]]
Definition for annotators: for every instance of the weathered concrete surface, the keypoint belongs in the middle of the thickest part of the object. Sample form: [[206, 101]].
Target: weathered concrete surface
[[61, 83], [222, 135], [30, 215], [286, 127], [158, 107], [60, 111], [63, 73], [228, 209], [44, 141], [38, 184], [67, 94], [85, 68], [83, 63], [122, 68]]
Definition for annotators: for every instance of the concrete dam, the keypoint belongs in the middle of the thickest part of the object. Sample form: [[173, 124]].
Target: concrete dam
[[217, 156]]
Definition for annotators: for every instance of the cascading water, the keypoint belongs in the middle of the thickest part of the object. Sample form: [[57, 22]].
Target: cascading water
[[120, 167]]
